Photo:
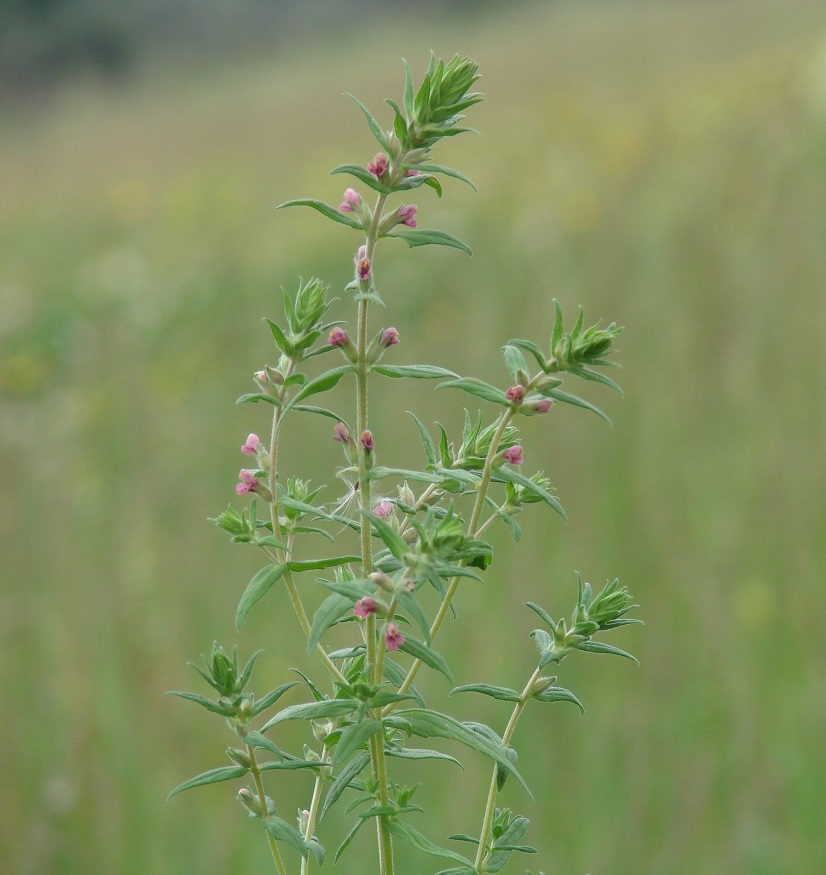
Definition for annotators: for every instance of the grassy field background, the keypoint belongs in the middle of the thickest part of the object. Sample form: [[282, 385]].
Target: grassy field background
[[663, 164]]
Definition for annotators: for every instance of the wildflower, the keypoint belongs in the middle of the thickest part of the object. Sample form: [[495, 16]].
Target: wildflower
[[261, 376], [392, 637], [365, 607], [363, 268], [382, 581], [367, 440], [541, 406], [251, 447], [407, 215], [361, 252], [515, 394], [388, 337], [248, 482], [341, 433], [338, 337], [513, 455], [351, 201], [378, 166], [383, 509], [411, 172]]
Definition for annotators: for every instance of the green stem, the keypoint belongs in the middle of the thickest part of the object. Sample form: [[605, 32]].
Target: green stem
[[490, 806], [262, 801], [314, 803]]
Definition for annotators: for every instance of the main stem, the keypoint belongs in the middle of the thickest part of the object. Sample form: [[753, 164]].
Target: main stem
[[262, 802]]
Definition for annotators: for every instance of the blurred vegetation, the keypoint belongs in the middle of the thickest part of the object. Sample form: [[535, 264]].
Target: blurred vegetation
[[660, 163]]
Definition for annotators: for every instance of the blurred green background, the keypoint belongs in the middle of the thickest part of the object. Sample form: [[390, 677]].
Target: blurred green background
[[661, 163]]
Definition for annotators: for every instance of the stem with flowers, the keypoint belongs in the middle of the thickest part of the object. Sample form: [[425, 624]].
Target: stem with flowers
[[366, 708]]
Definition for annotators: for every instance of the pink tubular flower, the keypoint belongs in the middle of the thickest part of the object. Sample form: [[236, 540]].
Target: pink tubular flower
[[543, 406], [392, 637], [388, 337], [515, 394], [364, 607], [361, 252], [351, 201], [513, 455], [341, 433], [367, 440], [261, 376], [251, 447], [248, 482], [363, 268], [411, 172], [338, 337], [378, 166], [383, 509], [407, 215]]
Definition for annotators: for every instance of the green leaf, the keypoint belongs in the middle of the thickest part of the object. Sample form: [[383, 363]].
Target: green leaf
[[428, 724], [420, 753], [546, 617], [416, 372], [427, 441], [503, 693], [321, 411], [415, 237], [213, 776], [271, 698], [291, 764], [391, 538], [313, 711], [255, 397], [347, 839], [316, 564], [596, 377], [576, 401], [532, 348], [599, 647], [419, 651], [446, 171], [353, 590], [325, 210], [200, 700], [353, 737], [352, 770], [558, 329], [256, 590], [507, 475], [397, 675], [415, 839], [375, 128], [329, 612], [281, 341], [362, 174], [322, 383], [478, 388], [408, 89], [558, 694], [380, 472], [411, 606], [255, 739], [285, 832], [515, 362]]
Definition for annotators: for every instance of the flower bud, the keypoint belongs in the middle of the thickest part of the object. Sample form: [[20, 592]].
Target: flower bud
[[378, 166], [367, 440], [365, 607], [338, 337], [382, 581], [351, 201], [515, 394], [407, 215], [251, 447], [389, 337], [541, 405], [514, 455], [361, 252], [341, 433], [363, 268]]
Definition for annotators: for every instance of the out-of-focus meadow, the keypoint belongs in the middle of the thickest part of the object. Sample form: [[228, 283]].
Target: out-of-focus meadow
[[663, 164]]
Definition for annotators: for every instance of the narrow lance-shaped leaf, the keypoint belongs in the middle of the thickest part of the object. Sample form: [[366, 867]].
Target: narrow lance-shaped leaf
[[503, 693], [325, 210], [478, 388], [427, 238], [353, 737], [213, 776], [200, 700], [352, 770], [375, 128], [415, 839], [313, 711], [256, 589], [416, 372], [429, 657]]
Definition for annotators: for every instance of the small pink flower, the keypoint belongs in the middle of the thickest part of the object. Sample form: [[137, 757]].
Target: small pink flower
[[543, 406], [392, 637], [251, 447], [364, 607], [248, 482], [341, 433], [411, 172], [515, 394], [261, 376], [513, 455], [367, 440], [363, 268], [378, 166], [388, 337], [361, 252], [407, 215], [351, 201], [383, 509], [338, 337]]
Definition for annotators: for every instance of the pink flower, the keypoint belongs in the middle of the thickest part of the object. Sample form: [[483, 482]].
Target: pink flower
[[388, 337], [338, 337], [378, 166], [392, 637], [383, 509], [515, 394], [251, 447], [364, 607], [351, 201], [543, 406], [261, 376], [248, 482], [513, 455], [341, 433], [411, 172], [361, 252], [367, 440], [363, 268], [407, 215]]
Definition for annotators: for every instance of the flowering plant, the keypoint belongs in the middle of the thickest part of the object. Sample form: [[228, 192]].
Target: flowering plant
[[416, 530]]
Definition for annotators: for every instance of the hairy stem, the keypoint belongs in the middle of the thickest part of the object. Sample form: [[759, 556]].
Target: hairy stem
[[313, 809], [262, 801]]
